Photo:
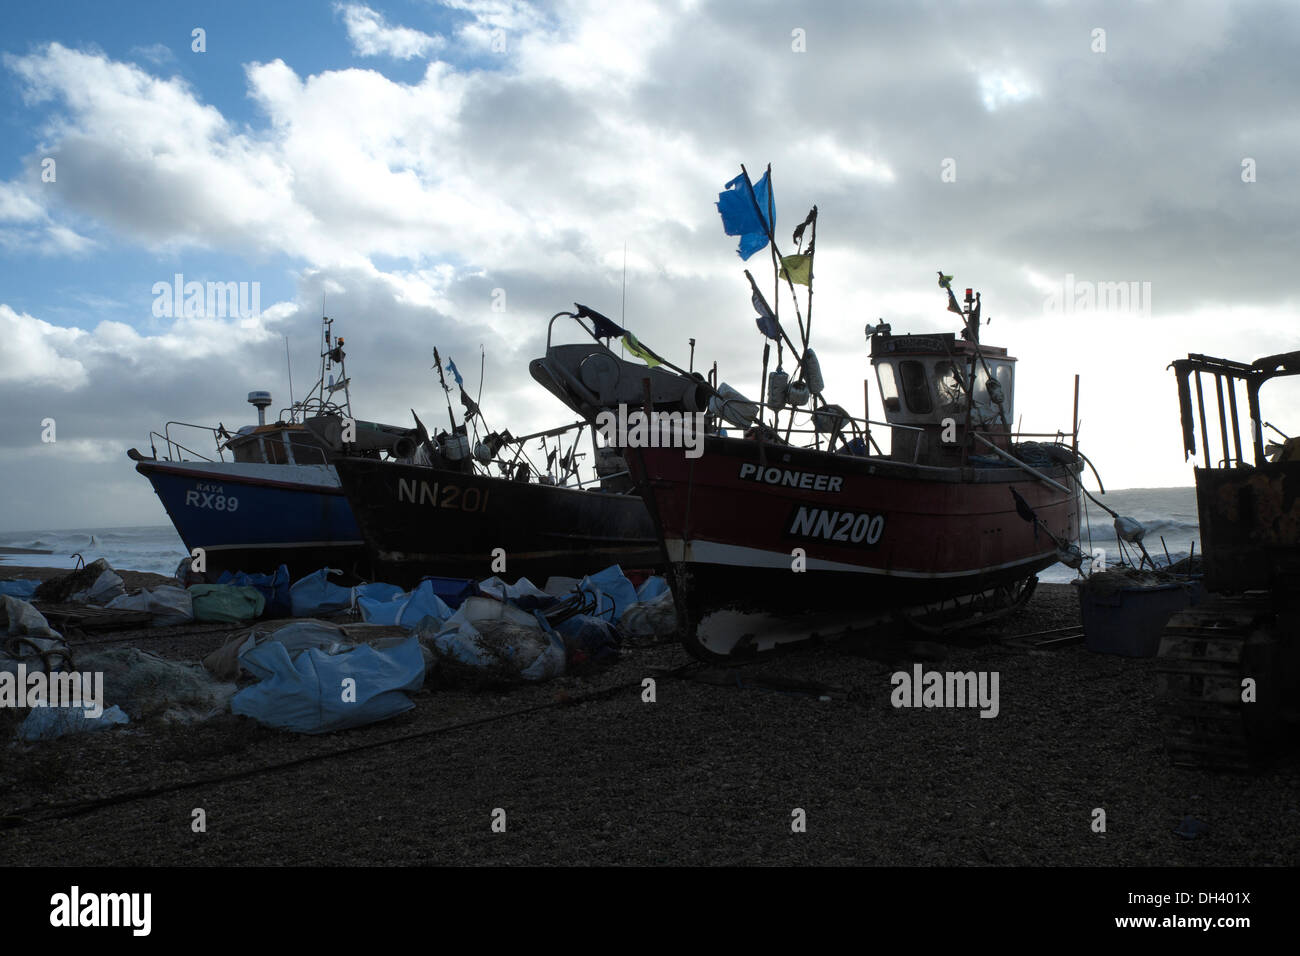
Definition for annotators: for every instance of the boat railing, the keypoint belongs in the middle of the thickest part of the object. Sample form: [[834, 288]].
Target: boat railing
[[550, 326], [598, 479], [310, 407], [1058, 435], [302, 455], [843, 417], [176, 450]]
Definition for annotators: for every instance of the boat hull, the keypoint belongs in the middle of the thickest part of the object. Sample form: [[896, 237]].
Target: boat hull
[[788, 530], [419, 521], [253, 517]]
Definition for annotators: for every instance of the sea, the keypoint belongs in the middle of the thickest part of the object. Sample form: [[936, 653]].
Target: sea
[[1168, 513], [156, 548], [1165, 513]]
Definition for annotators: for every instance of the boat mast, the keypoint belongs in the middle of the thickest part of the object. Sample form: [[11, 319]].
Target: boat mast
[[289, 364]]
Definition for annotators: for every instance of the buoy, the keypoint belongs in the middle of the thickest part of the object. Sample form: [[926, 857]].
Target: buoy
[[797, 393], [812, 372], [830, 419], [995, 391], [482, 452], [456, 447], [1129, 529], [777, 384], [733, 406], [1070, 556]]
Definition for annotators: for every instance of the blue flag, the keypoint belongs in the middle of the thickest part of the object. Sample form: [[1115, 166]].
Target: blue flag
[[747, 213], [768, 325], [451, 367], [767, 321]]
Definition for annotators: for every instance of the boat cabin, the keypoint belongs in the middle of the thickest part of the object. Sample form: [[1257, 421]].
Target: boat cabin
[[923, 382], [281, 443]]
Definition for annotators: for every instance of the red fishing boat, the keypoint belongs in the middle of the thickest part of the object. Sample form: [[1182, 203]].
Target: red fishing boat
[[799, 509], [949, 526], [940, 532]]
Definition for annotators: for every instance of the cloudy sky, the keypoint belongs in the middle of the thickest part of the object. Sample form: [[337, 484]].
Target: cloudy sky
[[419, 161]]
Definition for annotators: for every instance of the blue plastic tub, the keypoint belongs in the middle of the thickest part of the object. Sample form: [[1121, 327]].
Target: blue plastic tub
[[1130, 621]]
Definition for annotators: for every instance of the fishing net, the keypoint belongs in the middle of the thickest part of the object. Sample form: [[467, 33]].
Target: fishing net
[[145, 685]]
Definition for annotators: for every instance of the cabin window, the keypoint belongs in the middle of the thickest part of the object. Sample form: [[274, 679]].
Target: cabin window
[[914, 387], [948, 385], [1005, 374], [888, 386], [307, 452]]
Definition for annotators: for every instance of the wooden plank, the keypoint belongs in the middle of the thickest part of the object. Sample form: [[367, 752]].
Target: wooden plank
[[88, 617]]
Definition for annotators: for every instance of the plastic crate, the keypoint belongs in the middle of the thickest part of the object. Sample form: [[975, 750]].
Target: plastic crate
[[1130, 621]]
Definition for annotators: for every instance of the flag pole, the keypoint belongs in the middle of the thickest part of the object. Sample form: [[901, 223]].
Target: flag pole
[[767, 226], [798, 358], [768, 220], [812, 252], [437, 363], [776, 298]]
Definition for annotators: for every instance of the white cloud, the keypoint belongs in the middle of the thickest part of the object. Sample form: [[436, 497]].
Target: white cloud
[[999, 88], [371, 35], [156, 53], [38, 353], [26, 226], [17, 205], [498, 26], [603, 124], [853, 162]]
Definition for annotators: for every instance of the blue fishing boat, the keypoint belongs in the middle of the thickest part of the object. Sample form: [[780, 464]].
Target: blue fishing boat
[[269, 494]]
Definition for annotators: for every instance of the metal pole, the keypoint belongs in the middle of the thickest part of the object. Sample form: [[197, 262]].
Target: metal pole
[[1223, 421], [1236, 428], [1074, 442], [1200, 406], [812, 254], [1016, 461]]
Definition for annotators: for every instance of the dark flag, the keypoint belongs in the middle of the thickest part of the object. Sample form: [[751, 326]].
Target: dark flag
[[809, 220], [1026, 512], [604, 328]]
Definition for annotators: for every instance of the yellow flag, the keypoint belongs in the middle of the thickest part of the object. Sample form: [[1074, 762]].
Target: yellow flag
[[797, 268], [640, 351]]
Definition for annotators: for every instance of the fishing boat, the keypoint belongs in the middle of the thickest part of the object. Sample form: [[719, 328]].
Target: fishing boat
[[268, 493], [479, 503], [791, 507], [420, 520]]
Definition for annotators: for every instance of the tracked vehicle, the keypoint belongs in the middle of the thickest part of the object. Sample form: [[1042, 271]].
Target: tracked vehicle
[[1228, 673]]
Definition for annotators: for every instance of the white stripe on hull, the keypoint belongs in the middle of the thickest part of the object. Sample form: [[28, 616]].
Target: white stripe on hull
[[713, 552], [309, 476], [282, 544]]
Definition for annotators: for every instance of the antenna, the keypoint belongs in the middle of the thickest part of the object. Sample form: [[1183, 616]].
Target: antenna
[[482, 364], [289, 365], [622, 310]]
